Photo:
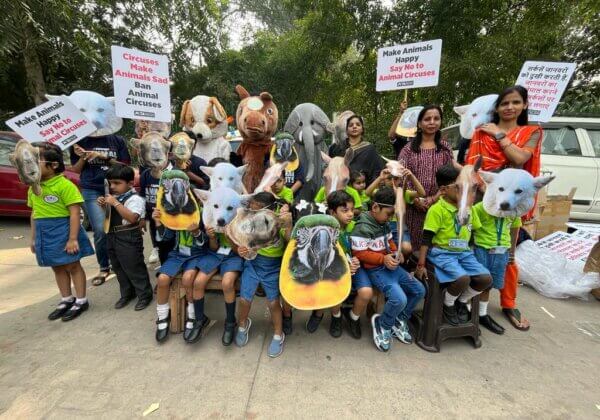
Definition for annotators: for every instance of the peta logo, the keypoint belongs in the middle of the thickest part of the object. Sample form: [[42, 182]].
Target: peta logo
[[51, 199]]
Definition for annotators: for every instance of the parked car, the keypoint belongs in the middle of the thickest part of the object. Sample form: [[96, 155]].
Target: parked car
[[571, 152], [13, 193]]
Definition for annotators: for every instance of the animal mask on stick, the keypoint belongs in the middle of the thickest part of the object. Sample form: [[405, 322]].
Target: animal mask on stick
[[480, 111], [254, 229], [283, 150], [99, 109], [511, 192], [225, 175], [467, 184], [26, 159], [220, 206], [153, 151], [176, 203], [181, 148]]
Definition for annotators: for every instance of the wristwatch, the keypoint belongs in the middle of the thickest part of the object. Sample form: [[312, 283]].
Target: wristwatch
[[499, 136]]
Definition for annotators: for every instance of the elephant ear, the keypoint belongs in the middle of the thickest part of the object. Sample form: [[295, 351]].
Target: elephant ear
[[292, 123], [320, 117], [242, 92], [330, 128]]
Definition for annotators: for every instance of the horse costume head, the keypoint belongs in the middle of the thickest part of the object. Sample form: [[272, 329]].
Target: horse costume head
[[337, 172], [511, 192], [99, 109], [480, 111], [26, 159]]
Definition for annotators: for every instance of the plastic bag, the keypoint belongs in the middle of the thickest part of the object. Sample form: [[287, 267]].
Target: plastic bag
[[552, 275]]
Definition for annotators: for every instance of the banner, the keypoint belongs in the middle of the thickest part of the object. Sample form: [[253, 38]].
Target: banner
[[57, 121], [545, 83], [408, 66], [141, 85]]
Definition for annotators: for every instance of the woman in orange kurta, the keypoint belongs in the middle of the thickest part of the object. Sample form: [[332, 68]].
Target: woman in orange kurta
[[509, 142]]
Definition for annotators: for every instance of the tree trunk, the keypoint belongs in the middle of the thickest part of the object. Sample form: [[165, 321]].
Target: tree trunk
[[36, 86]]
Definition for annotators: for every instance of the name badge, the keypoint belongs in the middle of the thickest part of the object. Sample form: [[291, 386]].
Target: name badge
[[458, 243], [224, 250], [185, 250], [498, 250]]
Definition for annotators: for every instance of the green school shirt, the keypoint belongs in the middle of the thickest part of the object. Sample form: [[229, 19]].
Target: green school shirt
[[344, 238], [365, 200], [441, 219], [487, 235], [286, 194], [58, 193], [277, 249], [320, 197]]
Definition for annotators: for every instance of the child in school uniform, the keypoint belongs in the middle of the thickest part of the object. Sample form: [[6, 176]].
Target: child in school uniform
[[281, 191], [358, 181], [373, 245], [124, 241], [386, 179], [189, 247], [341, 206], [57, 238], [495, 242], [446, 246], [264, 270]]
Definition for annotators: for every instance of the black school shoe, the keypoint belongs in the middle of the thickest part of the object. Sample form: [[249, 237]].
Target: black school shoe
[[313, 322], [462, 312], [123, 302], [450, 314], [162, 335], [75, 310], [335, 328], [287, 325], [61, 309], [489, 323], [143, 303], [196, 331], [353, 326], [228, 333]]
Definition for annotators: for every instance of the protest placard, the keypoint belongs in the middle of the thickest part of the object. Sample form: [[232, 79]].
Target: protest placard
[[57, 121], [141, 85], [409, 66], [571, 247], [545, 83]]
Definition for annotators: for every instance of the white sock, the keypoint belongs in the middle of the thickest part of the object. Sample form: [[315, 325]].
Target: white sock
[[277, 337], [69, 298], [339, 314], [353, 316], [483, 308], [81, 301], [468, 294], [190, 311], [449, 299], [163, 312]]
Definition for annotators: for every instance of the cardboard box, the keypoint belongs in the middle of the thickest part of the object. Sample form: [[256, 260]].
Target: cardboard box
[[553, 213]]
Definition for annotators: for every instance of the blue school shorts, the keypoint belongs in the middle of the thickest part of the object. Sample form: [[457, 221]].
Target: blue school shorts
[[495, 263], [211, 260], [51, 236], [177, 262], [450, 265], [264, 271]]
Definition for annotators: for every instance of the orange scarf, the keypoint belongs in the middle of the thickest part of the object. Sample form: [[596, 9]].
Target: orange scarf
[[486, 146]]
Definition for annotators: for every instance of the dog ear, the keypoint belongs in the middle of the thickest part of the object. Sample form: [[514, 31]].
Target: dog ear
[[245, 199], [488, 177], [541, 181], [266, 96], [186, 120], [217, 108], [203, 195], [208, 170], [242, 92], [241, 169], [461, 110]]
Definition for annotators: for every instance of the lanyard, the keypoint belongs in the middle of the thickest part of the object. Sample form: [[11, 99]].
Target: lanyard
[[456, 226], [499, 228]]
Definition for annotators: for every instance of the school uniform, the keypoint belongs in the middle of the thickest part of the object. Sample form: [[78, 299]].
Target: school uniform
[[286, 194], [188, 250], [52, 222], [322, 197], [264, 270], [223, 258], [125, 247], [450, 253], [360, 279], [493, 242], [292, 176]]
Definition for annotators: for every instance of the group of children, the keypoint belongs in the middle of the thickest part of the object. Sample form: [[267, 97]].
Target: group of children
[[366, 217]]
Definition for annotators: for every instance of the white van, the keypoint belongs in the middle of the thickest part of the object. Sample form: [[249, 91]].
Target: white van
[[571, 151]]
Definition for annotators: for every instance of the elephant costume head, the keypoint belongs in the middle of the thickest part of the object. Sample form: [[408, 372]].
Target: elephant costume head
[[309, 125]]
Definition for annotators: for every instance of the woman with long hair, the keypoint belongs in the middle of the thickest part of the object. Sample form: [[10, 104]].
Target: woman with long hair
[[509, 142], [423, 156]]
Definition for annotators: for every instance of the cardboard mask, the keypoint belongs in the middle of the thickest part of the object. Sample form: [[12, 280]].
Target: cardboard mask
[[153, 151], [480, 111], [176, 203], [283, 150], [181, 147], [225, 175], [220, 206], [407, 126], [26, 159], [254, 229]]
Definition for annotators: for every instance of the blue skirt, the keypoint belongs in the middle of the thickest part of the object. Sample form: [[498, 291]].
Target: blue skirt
[[51, 236]]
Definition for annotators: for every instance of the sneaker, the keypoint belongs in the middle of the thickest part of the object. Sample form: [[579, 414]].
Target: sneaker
[[353, 326], [450, 315], [401, 332], [287, 324], [335, 328], [313, 322], [462, 312], [381, 337], [276, 346], [241, 336], [153, 258]]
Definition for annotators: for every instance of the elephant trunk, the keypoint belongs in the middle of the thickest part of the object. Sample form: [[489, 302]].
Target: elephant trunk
[[308, 140]]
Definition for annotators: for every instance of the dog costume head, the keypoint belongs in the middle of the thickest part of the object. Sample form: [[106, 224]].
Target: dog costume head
[[220, 206], [511, 193], [181, 146], [26, 159], [203, 118], [99, 109], [478, 112], [225, 175]]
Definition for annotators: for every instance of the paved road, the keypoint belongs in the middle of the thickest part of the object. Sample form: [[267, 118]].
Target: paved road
[[106, 364]]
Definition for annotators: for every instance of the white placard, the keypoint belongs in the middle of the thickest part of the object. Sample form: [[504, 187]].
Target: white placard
[[588, 227], [409, 66], [545, 82], [141, 85], [57, 121], [571, 247]]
